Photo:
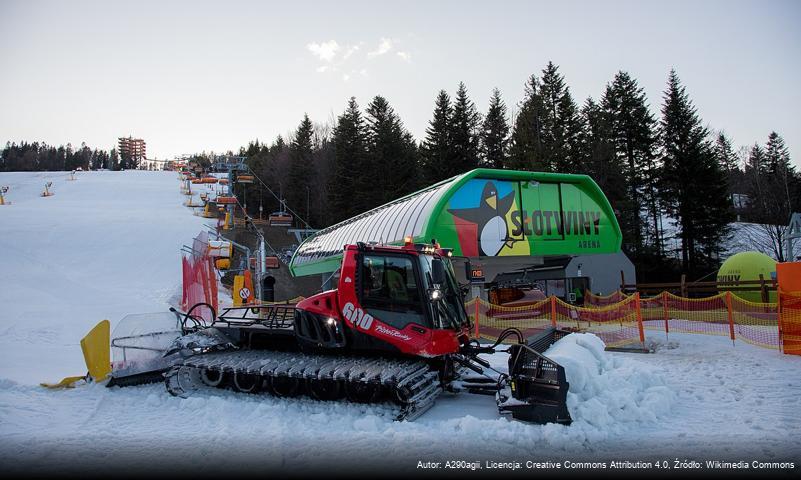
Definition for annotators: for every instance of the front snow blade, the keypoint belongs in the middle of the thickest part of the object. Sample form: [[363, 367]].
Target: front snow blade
[[536, 390], [95, 346], [138, 345]]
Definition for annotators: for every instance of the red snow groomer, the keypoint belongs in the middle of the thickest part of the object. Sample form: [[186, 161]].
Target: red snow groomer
[[394, 330]]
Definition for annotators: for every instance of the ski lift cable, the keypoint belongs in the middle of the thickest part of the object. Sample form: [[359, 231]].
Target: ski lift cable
[[249, 219], [277, 198]]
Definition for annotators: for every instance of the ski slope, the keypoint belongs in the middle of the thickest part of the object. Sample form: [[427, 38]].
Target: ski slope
[[107, 245]]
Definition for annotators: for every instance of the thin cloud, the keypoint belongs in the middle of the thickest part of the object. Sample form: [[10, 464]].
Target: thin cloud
[[325, 51], [383, 47], [406, 56], [350, 50]]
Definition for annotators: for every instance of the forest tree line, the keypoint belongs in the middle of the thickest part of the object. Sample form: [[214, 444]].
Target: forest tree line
[[41, 157], [650, 167]]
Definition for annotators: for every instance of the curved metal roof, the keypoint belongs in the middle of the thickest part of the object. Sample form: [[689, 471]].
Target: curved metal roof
[[390, 223], [483, 212]]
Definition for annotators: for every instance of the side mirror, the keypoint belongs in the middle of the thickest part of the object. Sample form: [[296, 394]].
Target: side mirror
[[437, 271]]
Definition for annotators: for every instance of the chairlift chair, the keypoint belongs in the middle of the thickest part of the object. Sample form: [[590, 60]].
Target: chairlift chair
[[280, 219]]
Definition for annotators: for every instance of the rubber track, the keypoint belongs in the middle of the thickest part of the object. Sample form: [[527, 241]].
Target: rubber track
[[418, 384]]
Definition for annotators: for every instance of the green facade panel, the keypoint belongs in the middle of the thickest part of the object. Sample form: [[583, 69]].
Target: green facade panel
[[482, 213]]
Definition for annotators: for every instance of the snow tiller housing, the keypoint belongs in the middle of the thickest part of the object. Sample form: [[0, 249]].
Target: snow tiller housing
[[394, 330]]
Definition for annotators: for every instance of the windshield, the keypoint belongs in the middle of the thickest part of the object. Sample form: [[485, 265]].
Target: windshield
[[450, 310]]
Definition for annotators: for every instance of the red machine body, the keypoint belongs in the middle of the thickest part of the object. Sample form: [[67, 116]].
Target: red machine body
[[414, 334]]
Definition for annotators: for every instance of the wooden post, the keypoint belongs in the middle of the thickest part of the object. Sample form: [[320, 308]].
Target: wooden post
[[478, 302], [684, 285], [639, 318], [763, 288], [665, 312], [553, 311], [731, 316]]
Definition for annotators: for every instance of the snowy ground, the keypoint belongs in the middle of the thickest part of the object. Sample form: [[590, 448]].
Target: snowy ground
[[107, 245]]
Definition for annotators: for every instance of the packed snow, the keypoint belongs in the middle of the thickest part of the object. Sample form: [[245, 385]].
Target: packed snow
[[107, 245]]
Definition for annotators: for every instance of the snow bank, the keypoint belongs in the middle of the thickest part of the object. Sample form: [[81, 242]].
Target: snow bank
[[607, 392]]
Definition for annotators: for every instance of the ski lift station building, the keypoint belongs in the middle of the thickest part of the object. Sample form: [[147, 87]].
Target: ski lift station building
[[497, 222]]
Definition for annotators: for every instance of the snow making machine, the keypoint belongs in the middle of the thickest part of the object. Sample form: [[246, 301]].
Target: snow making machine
[[392, 326]]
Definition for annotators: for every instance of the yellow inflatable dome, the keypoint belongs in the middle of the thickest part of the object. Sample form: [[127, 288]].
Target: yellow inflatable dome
[[746, 266]]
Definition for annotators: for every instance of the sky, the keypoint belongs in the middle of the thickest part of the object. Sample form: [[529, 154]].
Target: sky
[[212, 76]]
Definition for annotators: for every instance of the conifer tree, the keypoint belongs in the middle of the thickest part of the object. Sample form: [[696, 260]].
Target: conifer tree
[[601, 161], [495, 133], [561, 122], [437, 158], [301, 170], [390, 148], [727, 159], [694, 187], [527, 151], [724, 152], [782, 172], [633, 131], [464, 132], [548, 129], [349, 188]]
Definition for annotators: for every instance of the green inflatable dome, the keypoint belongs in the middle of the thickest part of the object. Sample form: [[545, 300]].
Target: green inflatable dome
[[747, 266]]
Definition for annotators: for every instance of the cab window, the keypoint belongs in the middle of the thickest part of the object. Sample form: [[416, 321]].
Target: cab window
[[389, 290]]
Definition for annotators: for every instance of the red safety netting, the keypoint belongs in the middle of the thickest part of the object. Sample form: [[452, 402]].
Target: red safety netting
[[199, 279]]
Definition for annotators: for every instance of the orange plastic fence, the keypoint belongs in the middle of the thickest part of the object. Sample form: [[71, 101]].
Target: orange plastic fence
[[625, 322], [591, 299]]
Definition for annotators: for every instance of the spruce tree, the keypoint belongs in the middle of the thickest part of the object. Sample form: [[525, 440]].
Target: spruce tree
[[548, 130], [561, 122], [390, 148], [781, 171], [301, 169], [526, 150], [495, 133], [633, 132], [464, 132], [349, 191], [437, 157], [724, 152], [694, 187], [727, 159], [601, 161]]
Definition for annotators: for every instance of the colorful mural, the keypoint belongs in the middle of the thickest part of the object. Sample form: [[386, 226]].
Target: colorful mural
[[491, 217]]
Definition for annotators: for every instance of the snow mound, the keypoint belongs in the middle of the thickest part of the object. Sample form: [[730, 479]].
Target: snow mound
[[608, 391]]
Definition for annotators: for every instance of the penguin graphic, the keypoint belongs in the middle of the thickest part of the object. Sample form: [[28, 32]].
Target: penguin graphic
[[490, 218]]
